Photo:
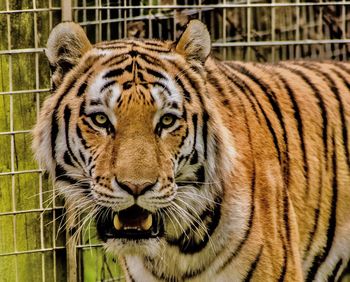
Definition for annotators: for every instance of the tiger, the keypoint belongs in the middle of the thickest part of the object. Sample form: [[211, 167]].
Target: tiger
[[196, 169]]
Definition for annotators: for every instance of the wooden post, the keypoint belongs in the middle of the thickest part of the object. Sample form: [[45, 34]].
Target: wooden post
[[71, 229], [66, 6]]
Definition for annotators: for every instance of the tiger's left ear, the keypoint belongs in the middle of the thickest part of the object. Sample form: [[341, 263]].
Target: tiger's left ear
[[194, 43]]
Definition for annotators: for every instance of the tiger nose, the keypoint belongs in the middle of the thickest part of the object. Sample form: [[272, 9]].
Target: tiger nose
[[135, 189]]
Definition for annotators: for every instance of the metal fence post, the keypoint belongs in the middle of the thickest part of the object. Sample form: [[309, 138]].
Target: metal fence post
[[66, 10]]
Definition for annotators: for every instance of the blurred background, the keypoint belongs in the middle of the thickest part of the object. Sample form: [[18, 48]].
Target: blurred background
[[34, 244]]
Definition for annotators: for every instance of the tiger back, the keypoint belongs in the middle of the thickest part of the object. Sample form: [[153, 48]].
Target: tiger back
[[196, 169]]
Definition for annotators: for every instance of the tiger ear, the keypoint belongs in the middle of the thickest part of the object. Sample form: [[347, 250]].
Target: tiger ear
[[194, 43], [66, 45]]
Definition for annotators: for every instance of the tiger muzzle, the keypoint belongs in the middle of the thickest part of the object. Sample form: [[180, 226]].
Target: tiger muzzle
[[132, 223]]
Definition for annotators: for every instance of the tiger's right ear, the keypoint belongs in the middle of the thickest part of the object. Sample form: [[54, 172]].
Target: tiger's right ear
[[66, 45], [194, 43]]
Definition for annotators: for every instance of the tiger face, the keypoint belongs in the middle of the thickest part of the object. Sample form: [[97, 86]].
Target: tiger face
[[128, 142]]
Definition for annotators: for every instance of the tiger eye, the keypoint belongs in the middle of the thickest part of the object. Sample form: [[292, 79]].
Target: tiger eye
[[168, 120], [100, 119]]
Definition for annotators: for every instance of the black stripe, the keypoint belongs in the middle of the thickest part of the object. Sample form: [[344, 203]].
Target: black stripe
[[342, 66], [345, 128], [127, 85], [163, 86], [205, 120], [129, 67], [82, 88], [321, 257], [82, 157], [267, 120], [186, 75], [320, 102], [114, 73], [66, 117], [187, 94], [282, 275], [67, 159], [82, 108], [54, 120], [187, 242], [108, 84], [152, 61], [128, 273], [114, 61], [81, 138], [312, 233], [241, 85], [86, 123], [194, 158], [68, 87], [253, 266], [200, 174], [155, 73], [334, 274], [271, 96], [217, 82], [300, 127], [61, 175], [333, 87]]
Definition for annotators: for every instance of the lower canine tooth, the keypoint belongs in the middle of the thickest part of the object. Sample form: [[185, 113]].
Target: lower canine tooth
[[117, 224], [146, 224]]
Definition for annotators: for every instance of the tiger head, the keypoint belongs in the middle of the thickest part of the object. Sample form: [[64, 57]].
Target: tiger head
[[132, 138]]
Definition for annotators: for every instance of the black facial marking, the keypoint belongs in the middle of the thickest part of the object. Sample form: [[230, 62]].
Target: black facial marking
[[61, 175], [200, 174], [187, 242], [108, 84], [96, 103], [113, 73], [82, 89]]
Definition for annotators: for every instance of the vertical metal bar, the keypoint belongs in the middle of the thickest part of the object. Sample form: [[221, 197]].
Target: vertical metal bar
[[343, 27], [66, 6], [50, 14], [249, 15], [84, 13], [175, 21], [37, 98], [53, 192], [125, 30], [224, 16], [72, 264], [76, 11], [108, 19], [13, 187], [150, 23], [97, 34], [54, 231], [297, 31], [273, 29]]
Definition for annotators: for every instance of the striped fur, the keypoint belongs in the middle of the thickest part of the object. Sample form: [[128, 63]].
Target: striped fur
[[252, 180]]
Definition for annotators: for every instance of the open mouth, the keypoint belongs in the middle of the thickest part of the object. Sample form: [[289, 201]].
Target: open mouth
[[131, 223]]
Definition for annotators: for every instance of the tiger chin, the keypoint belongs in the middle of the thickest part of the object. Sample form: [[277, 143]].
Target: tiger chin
[[196, 169]]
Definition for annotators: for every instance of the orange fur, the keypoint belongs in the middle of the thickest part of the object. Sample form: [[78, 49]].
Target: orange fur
[[272, 140]]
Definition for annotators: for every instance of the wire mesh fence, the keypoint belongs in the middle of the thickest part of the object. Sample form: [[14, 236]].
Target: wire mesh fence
[[32, 230]]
